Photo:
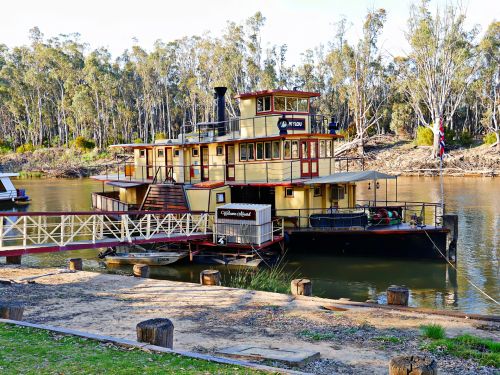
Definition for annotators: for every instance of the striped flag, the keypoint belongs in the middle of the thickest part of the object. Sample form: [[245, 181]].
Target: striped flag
[[441, 138]]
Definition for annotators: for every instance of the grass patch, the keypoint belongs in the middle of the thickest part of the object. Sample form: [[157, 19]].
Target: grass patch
[[316, 336], [270, 279], [486, 352], [26, 350], [388, 339], [433, 331]]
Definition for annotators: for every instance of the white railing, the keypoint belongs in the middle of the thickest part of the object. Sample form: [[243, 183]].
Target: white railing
[[37, 230]]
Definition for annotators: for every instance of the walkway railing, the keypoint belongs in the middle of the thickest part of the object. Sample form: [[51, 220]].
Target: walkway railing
[[69, 231]]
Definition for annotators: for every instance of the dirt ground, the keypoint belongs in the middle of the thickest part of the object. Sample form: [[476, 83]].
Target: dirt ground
[[208, 318]]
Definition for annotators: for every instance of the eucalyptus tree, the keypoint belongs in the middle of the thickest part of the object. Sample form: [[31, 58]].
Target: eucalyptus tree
[[440, 66]]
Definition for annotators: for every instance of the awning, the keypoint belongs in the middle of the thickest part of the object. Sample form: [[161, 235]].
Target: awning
[[125, 185], [345, 177]]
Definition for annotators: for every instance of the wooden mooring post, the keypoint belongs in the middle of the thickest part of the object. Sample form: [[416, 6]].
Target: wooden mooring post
[[141, 270], [11, 310], [301, 287], [76, 264], [15, 259], [159, 331], [412, 365], [210, 277], [398, 295]]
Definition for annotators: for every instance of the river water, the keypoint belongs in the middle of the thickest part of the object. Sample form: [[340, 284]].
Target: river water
[[432, 284]]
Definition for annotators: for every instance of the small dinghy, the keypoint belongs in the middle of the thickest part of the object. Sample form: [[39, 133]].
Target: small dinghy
[[152, 259]]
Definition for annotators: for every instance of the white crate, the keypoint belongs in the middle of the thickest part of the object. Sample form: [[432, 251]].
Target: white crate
[[244, 223]]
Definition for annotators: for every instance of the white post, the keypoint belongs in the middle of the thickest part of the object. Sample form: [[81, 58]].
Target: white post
[[25, 230], [1, 231]]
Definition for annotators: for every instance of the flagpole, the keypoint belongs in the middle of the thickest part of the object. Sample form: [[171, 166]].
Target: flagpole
[[441, 155]]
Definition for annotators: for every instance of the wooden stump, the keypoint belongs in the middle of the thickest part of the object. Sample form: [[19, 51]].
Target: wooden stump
[[141, 270], [158, 332], [397, 295], [412, 365], [301, 287], [16, 259], [210, 277], [11, 310], [76, 264]]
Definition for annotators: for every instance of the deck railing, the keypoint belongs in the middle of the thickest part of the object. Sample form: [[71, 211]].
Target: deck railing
[[247, 234], [419, 214], [264, 171], [110, 201], [251, 127]]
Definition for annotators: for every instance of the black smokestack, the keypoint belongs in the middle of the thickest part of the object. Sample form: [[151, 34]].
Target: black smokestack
[[221, 109]]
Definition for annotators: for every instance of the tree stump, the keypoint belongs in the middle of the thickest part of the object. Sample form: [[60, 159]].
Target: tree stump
[[397, 295], [16, 259], [412, 365], [210, 277], [301, 287], [141, 270], [11, 310], [158, 332], [76, 264]]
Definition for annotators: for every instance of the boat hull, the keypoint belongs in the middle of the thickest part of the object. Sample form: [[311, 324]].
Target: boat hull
[[151, 259]]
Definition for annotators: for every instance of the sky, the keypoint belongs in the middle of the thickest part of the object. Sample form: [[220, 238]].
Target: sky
[[301, 24]]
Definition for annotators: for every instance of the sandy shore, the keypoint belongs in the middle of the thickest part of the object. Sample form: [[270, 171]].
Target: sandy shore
[[210, 318]]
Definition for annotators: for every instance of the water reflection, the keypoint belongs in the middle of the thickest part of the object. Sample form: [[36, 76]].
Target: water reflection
[[432, 284]]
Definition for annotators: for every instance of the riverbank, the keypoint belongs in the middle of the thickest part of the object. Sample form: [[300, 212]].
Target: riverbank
[[57, 162], [390, 155], [351, 339]]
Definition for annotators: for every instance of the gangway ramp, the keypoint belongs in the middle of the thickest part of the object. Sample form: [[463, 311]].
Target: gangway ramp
[[37, 232]]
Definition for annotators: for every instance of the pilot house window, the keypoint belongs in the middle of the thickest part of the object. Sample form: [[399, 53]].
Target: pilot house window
[[290, 104], [264, 104]]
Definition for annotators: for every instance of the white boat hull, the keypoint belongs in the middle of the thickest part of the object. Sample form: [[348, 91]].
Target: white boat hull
[[151, 259]]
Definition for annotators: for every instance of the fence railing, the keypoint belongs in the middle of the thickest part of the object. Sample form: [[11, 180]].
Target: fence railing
[[247, 234], [110, 201]]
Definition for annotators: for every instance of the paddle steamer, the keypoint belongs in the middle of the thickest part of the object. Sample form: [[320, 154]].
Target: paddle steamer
[[278, 152]]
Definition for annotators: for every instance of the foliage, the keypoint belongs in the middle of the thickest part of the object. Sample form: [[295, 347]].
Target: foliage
[[83, 144], [425, 136], [388, 339], [484, 351], [465, 139], [433, 331], [490, 138], [160, 136], [30, 351], [401, 119], [270, 279], [27, 147], [137, 140], [316, 335]]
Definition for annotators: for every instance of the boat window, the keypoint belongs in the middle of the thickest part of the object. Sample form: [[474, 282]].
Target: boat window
[[220, 197], [314, 150], [264, 104], [291, 104], [303, 105], [161, 153], [295, 149], [195, 152], [328, 149], [176, 153], [142, 153], [220, 150], [288, 192], [322, 149], [251, 151], [317, 191], [276, 150], [338, 192], [287, 149], [243, 151], [259, 150], [2, 187], [267, 150], [304, 154], [279, 103]]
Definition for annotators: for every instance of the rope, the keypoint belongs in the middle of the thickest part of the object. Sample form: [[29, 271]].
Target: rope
[[455, 268]]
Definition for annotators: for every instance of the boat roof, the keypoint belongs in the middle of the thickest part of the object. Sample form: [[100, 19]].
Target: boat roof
[[302, 94], [9, 175], [125, 185], [344, 177]]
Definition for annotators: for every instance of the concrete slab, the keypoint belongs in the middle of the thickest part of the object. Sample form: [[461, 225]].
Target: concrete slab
[[290, 356]]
